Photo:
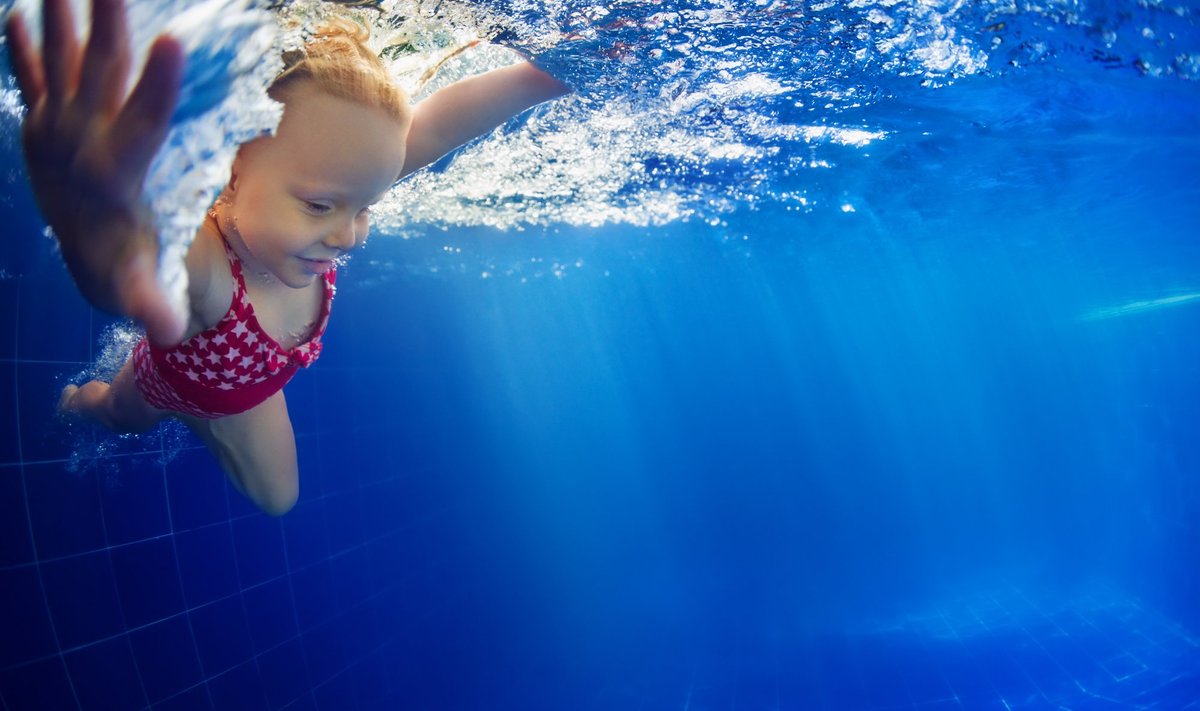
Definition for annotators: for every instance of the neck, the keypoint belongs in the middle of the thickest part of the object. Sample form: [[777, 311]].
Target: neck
[[225, 229]]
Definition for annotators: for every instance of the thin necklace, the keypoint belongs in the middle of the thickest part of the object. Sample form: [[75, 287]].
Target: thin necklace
[[299, 335], [263, 278]]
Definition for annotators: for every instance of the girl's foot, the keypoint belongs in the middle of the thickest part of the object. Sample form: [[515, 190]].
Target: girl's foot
[[64, 401]]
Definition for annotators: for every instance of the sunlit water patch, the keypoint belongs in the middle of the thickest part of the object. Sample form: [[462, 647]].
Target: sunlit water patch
[[1099, 649]]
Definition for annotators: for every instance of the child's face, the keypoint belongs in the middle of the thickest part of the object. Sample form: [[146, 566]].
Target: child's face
[[299, 199]]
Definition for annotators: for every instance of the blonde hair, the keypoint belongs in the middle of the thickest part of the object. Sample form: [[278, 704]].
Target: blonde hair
[[338, 62]]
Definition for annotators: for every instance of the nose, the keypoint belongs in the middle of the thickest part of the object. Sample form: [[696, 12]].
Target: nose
[[348, 234]]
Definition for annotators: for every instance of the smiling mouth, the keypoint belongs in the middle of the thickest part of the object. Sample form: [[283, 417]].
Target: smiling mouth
[[321, 265]]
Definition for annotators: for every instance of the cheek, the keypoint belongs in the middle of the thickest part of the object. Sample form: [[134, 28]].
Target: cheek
[[273, 234]]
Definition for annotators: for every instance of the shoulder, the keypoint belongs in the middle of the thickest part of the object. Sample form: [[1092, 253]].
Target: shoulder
[[210, 283]]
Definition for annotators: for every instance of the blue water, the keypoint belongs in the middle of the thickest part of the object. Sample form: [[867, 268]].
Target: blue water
[[923, 439]]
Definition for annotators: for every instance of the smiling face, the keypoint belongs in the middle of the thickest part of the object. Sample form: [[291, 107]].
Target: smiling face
[[299, 199]]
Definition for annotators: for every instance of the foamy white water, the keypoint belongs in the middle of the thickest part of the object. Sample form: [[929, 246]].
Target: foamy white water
[[681, 112], [232, 55]]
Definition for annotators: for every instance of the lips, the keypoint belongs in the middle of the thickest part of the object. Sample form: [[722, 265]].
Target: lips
[[317, 266]]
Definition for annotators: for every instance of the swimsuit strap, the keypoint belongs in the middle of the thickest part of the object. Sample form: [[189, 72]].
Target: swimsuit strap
[[235, 265], [242, 310]]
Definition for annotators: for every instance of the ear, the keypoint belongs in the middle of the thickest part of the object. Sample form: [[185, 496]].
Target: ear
[[235, 171]]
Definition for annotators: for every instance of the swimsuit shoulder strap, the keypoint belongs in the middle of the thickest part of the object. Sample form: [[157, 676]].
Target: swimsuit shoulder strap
[[235, 269]]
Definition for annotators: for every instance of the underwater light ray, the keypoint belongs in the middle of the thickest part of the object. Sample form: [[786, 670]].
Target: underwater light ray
[[1140, 306]]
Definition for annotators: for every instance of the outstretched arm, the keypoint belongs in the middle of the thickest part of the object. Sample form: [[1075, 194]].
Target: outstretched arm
[[88, 148], [470, 108]]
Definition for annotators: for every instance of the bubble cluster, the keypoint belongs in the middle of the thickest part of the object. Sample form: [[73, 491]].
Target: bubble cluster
[[682, 111]]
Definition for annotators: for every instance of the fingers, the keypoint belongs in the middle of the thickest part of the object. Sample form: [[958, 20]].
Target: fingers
[[25, 61], [60, 50], [106, 59], [143, 123]]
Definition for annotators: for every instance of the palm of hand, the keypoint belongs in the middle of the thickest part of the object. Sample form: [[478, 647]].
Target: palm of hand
[[88, 148]]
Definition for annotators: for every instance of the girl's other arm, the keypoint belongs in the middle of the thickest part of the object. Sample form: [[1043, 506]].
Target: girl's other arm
[[88, 146], [470, 108]]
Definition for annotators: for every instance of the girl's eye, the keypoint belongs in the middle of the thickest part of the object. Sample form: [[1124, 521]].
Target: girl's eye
[[316, 208]]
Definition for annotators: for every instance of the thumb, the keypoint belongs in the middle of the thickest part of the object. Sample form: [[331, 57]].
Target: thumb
[[144, 301]]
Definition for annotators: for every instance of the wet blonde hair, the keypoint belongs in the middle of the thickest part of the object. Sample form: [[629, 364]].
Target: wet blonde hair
[[337, 61]]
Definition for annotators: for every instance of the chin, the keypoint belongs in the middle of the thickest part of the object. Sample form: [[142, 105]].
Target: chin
[[302, 281], [296, 279]]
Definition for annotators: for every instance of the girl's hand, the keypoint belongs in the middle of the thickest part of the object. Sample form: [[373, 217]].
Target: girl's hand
[[88, 148]]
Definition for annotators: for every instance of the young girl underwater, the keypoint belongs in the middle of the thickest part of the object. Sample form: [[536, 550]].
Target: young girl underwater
[[261, 269]]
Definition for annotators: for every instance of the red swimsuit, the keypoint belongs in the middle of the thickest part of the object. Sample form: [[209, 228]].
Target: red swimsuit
[[230, 367]]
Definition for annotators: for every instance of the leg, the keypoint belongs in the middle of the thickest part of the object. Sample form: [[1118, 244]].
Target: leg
[[257, 449], [119, 406]]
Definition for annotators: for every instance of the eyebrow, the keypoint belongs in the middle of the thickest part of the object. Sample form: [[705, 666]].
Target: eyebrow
[[331, 191]]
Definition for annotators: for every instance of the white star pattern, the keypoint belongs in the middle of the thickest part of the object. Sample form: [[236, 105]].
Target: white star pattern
[[203, 375]]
